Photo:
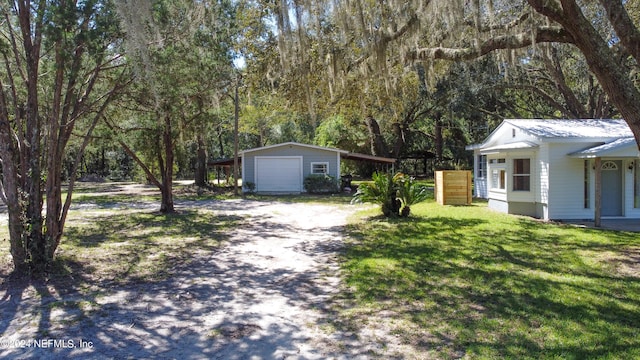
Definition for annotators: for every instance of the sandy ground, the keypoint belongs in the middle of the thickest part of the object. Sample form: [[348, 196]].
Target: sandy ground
[[264, 295]]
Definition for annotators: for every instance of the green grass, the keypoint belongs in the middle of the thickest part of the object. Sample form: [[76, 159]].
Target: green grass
[[466, 281], [125, 245]]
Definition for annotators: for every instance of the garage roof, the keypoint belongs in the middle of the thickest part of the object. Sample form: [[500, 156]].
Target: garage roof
[[296, 144], [343, 154]]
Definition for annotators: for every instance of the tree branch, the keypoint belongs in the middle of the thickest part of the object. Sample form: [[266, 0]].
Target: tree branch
[[135, 158], [543, 34], [545, 96], [549, 8], [623, 25], [385, 39]]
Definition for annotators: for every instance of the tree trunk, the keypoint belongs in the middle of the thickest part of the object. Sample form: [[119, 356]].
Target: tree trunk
[[400, 140], [438, 138], [166, 205], [378, 147], [9, 190], [32, 239], [201, 162]]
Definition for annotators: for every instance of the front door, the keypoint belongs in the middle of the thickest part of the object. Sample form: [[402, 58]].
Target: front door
[[612, 188]]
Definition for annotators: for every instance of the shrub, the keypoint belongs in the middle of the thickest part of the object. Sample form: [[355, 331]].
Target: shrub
[[395, 193], [317, 183], [250, 186], [409, 192]]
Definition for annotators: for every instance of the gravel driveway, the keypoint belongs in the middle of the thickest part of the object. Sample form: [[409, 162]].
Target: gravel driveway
[[263, 295]]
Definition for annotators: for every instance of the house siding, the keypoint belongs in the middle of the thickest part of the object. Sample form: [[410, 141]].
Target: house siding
[[566, 195], [309, 155], [543, 181]]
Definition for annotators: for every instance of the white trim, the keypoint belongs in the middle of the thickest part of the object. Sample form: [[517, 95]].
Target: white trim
[[326, 166], [242, 173], [520, 145], [515, 175]]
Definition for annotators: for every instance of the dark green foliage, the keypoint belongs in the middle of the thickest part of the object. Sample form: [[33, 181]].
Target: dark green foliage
[[395, 193], [317, 183], [409, 192], [250, 186]]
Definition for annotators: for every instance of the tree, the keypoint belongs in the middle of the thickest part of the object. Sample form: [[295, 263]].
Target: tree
[[182, 52], [61, 72], [603, 31]]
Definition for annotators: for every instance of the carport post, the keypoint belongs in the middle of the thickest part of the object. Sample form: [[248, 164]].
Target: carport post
[[235, 140], [598, 199]]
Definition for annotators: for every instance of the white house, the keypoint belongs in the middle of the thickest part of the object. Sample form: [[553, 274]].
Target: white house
[[546, 168]]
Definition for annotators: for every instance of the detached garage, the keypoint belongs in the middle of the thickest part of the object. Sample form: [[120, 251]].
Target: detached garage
[[282, 168]]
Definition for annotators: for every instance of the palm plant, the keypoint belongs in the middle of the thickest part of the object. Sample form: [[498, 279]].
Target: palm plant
[[395, 193], [409, 192], [381, 190]]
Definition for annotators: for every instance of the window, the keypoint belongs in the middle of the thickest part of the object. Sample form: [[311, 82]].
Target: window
[[320, 168], [521, 174], [587, 185], [609, 165], [498, 179], [482, 166]]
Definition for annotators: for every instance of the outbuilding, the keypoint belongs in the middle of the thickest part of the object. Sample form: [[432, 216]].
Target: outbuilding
[[281, 168], [550, 169]]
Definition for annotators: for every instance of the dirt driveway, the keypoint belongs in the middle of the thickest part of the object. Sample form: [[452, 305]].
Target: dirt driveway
[[264, 295]]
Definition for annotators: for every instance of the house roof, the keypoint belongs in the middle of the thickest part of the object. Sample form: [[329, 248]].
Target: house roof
[[583, 128], [623, 147], [593, 130], [294, 144]]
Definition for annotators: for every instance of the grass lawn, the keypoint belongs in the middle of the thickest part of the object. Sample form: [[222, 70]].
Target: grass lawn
[[468, 282], [113, 244], [132, 246]]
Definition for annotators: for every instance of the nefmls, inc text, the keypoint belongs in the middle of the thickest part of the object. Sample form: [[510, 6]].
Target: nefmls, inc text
[[45, 343]]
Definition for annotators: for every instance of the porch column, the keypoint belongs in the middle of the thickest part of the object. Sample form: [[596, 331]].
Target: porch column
[[598, 185]]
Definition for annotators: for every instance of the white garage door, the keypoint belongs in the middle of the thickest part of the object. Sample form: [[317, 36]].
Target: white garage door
[[279, 174]]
